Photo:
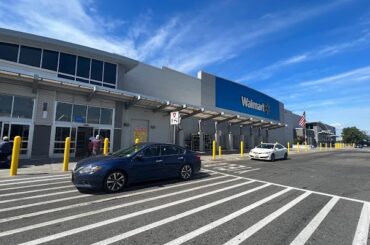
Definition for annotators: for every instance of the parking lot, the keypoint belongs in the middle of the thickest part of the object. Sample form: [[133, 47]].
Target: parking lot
[[317, 198]]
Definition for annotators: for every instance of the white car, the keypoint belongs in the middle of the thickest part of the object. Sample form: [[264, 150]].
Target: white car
[[269, 151]]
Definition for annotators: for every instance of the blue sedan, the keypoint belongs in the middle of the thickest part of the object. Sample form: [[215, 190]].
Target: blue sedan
[[140, 162]]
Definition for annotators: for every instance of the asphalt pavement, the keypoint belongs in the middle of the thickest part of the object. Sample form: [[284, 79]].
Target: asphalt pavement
[[316, 198]]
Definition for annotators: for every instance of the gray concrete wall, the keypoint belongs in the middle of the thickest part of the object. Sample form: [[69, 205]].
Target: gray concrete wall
[[208, 89], [159, 129], [162, 83], [41, 141]]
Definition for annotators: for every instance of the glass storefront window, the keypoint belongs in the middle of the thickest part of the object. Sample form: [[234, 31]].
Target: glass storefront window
[[5, 105], [110, 71], [30, 56], [50, 60], [104, 133], [61, 133], [67, 63], [96, 70], [106, 116], [64, 112], [83, 67], [9, 51], [19, 130], [79, 113], [23, 107], [93, 115]]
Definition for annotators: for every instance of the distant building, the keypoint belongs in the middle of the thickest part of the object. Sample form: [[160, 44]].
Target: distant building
[[322, 133]]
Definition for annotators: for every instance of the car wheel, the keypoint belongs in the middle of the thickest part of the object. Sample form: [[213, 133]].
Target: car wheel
[[186, 172], [272, 158], [115, 181], [285, 156]]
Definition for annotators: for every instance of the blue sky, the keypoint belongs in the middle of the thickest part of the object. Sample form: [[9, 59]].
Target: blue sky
[[314, 56]]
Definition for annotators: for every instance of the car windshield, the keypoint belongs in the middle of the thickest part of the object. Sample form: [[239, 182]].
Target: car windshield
[[127, 152], [266, 146]]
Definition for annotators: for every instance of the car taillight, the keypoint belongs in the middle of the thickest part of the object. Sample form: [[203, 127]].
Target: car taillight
[[197, 157]]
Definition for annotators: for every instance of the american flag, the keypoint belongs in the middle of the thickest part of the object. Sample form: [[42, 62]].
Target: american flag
[[302, 120]]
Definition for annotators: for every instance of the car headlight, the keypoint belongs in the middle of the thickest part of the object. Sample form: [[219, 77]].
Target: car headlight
[[89, 169]]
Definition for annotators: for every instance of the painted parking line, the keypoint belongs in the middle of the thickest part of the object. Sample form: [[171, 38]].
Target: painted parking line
[[361, 234], [117, 219], [225, 219], [38, 190], [29, 186], [262, 223], [33, 178], [249, 170], [32, 181], [306, 233], [56, 221], [176, 217], [215, 164], [38, 196]]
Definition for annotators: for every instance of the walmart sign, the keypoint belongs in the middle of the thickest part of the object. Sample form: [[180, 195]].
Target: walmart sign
[[236, 97]]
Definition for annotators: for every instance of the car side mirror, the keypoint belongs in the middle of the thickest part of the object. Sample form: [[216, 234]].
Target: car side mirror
[[139, 157]]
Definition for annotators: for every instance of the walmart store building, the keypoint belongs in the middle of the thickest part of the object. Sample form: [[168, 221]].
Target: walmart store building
[[50, 89]]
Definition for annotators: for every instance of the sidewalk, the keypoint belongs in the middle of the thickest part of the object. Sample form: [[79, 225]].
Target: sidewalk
[[30, 168]]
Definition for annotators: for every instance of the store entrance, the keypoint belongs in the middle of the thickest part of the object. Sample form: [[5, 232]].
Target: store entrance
[[82, 143]]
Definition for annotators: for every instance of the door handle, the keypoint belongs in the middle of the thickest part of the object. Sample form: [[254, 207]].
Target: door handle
[[180, 158], [158, 161]]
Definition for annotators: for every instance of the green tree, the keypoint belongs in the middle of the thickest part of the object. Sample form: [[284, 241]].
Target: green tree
[[353, 135]]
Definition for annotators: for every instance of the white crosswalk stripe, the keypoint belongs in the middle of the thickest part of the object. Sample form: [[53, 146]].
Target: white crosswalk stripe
[[38, 190], [68, 218], [262, 223], [173, 218], [362, 231], [152, 209], [34, 178], [131, 215], [315, 222], [31, 186], [33, 181], [225, 219], [48, 211]]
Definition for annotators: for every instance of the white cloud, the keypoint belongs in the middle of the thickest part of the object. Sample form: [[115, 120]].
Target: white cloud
[[323, 52], [183, 43], [350, 77]]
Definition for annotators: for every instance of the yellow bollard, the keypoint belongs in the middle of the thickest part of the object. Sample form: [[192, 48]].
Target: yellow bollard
[[330, 146], [305, 146], [105, 149], [15, 156], [298, 147], [67, 147], [137, 141], [326, 146], [241, 148], [320, 146], [219, 151], [214, 150], [288, 147]]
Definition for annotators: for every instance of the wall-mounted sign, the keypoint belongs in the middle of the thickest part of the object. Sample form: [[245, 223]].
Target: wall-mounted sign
[[236, 97], [175, 118]]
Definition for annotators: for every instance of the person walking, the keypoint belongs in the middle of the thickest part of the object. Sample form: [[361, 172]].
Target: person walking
[[96, 145], [5, 152]]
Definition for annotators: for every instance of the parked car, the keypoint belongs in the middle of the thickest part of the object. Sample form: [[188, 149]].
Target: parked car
[[269, 151], [140, 162]]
